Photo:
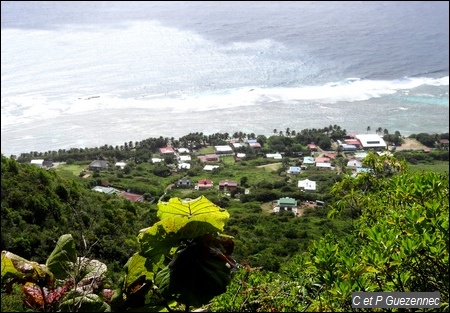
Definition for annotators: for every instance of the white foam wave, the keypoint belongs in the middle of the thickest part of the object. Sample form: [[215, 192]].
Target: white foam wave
[[24, 109]]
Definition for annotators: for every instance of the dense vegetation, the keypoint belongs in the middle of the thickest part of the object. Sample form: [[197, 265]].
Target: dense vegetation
[[288, 263]]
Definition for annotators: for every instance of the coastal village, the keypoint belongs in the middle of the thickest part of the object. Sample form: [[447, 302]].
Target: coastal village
[[353, 147]]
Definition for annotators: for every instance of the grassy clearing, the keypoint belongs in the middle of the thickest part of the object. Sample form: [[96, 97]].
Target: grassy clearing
[[75, 169], [437, 166]]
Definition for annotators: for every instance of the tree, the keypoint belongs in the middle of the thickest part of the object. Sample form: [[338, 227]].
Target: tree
[[400, 241]]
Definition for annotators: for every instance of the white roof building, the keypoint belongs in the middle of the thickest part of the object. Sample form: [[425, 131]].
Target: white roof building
[[323, 165], [210, 167], [183, 150], [274, 156], [223, 149], [184, 165], [307, 185], [185, 158], [371, 141], [120, 164], [38, 162]]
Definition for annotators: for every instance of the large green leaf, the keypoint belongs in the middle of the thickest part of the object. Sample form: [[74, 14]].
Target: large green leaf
[[61, 260], [181, 220], [90, 269], [14, 266], [138, 267], [199, 209]]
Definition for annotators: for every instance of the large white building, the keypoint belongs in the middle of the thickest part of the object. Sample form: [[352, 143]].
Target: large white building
[[371, 141]]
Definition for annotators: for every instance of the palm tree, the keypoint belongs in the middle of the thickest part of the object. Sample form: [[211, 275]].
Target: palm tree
[[275, 131]]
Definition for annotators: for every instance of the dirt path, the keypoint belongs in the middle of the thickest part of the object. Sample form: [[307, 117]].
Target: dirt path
[[273, 166], [411, 144]]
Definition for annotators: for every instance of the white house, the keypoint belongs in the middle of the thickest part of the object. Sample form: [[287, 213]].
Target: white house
[[38, 162], [183, 150], [371, 141], [210, 167], [308, 160], [185, 158], [120, 164], [354, 163], [224, 150], [294, 170], [184, 165], [307, 185], [274, 156]]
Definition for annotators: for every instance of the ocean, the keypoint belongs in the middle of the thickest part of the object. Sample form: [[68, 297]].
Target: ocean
[[77, 74]]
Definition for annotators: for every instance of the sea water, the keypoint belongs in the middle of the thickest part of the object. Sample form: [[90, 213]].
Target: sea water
[[86, 74]]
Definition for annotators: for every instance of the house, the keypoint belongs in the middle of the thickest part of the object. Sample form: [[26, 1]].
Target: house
[[353, 142], [238, 145], [204, 184], [131, 196], [349, 148], [312, 147], [326, 165], [107, 190], [120, 164], [286, 204], [184, 166], [223, 150], [227, 185], [443, 143], [330, 155], [38, 162], [184, 183], [183, 151], [307, 185], [184, 158], [166, 150], [322, 159], [276, 156], [157, 160], [212, 157], [371, 141], [210, 167], [98, 165], [294, 170], [354, 163], [308, 160], [254, 145]]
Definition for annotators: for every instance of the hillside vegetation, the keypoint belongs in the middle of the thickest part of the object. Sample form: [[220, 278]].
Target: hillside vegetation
[[384, 230]]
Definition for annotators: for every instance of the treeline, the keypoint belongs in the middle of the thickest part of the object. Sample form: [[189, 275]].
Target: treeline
[[288, 142]]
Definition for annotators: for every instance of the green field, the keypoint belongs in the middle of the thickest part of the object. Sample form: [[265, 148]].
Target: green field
[[437, 166], [75, 169]]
